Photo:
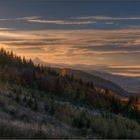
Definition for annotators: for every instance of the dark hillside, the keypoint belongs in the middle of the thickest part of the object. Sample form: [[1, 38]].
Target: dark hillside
[[16, 70], [42, 102], [98, 81]]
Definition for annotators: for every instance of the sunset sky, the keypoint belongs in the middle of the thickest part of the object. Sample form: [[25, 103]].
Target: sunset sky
[[104, 33]]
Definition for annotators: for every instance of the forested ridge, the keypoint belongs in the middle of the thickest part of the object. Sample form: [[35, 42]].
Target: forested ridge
[[51, 104]]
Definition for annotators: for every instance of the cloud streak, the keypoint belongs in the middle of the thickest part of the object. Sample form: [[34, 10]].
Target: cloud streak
[[98, 21], [105, 18], [62, 22], [38, 19]]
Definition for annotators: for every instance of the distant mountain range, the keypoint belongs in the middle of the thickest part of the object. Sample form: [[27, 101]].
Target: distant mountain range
[[98, 81], [123, 86], [131, 84]]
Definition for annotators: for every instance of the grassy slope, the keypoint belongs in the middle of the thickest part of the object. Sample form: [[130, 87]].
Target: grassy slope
[[26, 113]]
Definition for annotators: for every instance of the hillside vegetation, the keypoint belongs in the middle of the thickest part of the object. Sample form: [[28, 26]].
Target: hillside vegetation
[[41, 102]]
